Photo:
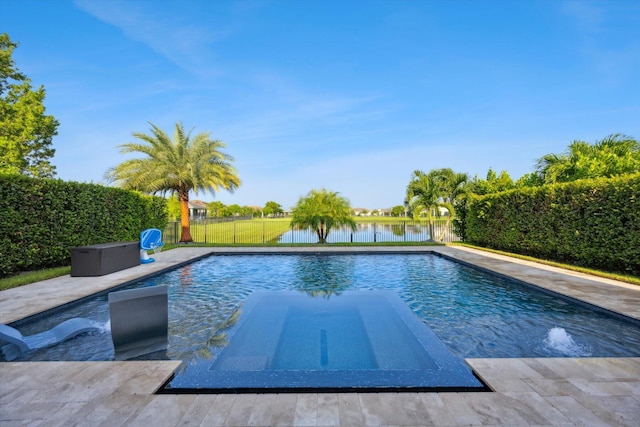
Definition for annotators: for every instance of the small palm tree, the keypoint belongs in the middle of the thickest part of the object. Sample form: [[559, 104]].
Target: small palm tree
[[433, 190], [452, 187], [177, 166], [423, 195], [322, 210]]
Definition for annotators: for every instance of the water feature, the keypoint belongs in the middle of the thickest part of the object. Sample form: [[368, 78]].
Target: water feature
[[560, 342]]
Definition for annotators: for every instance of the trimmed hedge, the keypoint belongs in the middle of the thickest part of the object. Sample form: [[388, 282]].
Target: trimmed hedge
[[41, 219], [591, 223]]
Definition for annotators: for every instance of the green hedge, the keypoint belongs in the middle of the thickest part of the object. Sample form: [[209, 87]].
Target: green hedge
[[590, 223], [40, 220]]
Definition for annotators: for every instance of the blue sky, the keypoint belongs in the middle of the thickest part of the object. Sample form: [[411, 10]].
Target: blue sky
[[351, 95]]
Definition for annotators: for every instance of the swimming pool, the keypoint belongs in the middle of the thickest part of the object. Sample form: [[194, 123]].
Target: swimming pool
[[474, 313]]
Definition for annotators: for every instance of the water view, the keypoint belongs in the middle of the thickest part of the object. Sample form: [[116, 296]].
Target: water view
[[372, 232]]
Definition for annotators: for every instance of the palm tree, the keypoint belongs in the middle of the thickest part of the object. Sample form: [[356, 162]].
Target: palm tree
[[433, 190], [616, 154], [422, 195], [322, 210], [177, 166], [452, 187], [562, 167], [422, 192]]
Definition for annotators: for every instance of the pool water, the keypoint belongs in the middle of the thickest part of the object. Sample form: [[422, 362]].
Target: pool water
[[357, 340], [474, 313]]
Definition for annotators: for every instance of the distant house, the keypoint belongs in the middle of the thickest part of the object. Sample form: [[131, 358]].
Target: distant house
[[361, 212], [197, 209], [443, 212]]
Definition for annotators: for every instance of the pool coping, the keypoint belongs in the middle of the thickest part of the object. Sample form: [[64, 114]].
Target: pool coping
[[526, 391]]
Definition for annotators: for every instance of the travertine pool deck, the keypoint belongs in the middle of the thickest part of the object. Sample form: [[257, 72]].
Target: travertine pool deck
[[586, 391]]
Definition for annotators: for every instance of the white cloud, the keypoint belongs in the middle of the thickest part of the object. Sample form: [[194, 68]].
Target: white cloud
[[182, 43], [588, 15]]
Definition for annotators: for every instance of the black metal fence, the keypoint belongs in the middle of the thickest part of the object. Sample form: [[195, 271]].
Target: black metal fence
[[273, 231]]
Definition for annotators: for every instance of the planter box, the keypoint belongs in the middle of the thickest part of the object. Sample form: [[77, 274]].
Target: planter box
[[105, 258]]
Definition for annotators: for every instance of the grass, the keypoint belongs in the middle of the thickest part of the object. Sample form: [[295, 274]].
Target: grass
[[33, 276], [249, 231], [605, 274]]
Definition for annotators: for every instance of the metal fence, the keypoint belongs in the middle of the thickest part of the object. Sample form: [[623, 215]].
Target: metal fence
[[267, 231]]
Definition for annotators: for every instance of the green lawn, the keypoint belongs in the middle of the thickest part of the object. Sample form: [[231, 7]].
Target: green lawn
[[33, 276], [621, 277], [253, 231]]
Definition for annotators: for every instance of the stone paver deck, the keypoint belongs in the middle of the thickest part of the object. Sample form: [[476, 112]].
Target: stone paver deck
[[587, 391]]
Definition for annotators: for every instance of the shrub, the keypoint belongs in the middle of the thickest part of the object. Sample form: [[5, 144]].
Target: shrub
[[41, 219], [591, 223]]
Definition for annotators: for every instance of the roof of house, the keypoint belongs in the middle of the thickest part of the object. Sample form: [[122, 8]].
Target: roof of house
[[197, 204]]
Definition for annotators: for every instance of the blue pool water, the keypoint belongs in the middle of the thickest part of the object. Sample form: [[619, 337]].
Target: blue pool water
[[359, 339], [473, 313]]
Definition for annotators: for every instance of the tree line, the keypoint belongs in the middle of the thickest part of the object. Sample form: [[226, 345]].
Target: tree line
[[217, 209], [429, 193]]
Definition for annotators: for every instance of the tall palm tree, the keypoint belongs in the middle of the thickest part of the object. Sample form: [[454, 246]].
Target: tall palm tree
[[322, 210], [177, 166]]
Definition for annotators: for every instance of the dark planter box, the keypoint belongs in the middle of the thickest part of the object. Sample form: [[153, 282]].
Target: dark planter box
[[105, 258]]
